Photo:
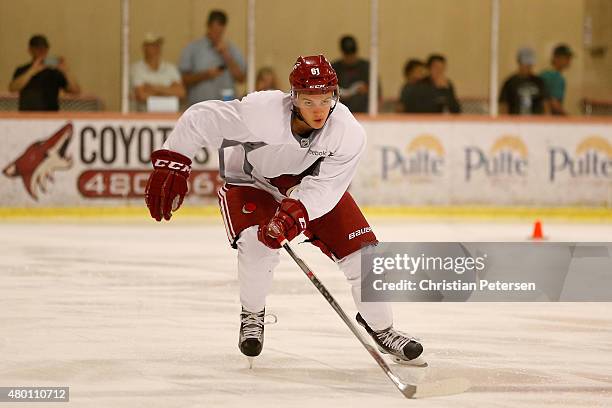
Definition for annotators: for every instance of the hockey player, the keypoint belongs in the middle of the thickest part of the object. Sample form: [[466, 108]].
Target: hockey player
[[287, 161]]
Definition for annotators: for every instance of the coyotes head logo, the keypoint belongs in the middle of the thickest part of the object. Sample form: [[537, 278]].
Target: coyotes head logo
[[40, 160]]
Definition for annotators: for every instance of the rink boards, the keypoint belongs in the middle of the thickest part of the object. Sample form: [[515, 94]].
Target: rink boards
[[97, 160]]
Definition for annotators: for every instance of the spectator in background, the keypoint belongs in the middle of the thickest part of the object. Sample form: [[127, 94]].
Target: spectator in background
[[154, 77], [266, 80], [524, 93], [434, 93], [40, 81], [210, 66], [554, 80], [353, 76], [414, 71]]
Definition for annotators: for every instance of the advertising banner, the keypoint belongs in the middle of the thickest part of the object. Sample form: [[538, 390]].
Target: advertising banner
[[486, 163], [106, 162], [56, 163]]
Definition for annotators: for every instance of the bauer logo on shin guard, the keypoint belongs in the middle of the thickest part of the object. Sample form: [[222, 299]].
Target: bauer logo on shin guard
[[359, 232]]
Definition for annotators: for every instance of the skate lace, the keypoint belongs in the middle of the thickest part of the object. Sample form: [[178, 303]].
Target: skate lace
[[394, 339], [254, 323]]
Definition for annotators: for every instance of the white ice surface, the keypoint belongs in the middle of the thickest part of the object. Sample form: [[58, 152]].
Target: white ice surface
[[138, 314]]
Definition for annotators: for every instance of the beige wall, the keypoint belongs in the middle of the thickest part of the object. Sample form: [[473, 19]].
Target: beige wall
[[87, 32], [598, 69]]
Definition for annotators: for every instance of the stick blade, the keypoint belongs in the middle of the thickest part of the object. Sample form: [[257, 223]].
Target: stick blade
[[448, 386]]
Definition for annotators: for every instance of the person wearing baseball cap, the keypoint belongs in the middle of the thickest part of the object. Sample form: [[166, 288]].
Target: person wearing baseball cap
[[153, 77], [553, 77], [524, 93]]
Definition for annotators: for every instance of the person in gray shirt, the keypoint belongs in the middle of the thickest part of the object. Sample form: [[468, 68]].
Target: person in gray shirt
[[210, 66]]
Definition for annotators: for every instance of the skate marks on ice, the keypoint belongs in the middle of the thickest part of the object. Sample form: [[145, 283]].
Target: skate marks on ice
[[100, 323], [454, 376], [421, 382], [545, 369]]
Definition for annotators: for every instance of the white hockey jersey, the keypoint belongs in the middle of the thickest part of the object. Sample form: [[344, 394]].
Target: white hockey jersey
[[255, 144]]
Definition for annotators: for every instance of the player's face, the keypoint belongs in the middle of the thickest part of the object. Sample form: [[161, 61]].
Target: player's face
[[315, 108]]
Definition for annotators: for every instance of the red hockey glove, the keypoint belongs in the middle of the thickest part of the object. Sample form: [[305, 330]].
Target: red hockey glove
[[289, 221], [167, 184]]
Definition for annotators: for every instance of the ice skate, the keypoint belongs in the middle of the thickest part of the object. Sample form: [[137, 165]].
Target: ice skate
[[251, 334], [402, 348]]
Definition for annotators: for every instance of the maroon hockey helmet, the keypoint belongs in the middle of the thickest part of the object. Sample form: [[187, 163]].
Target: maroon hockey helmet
[[313, 73]]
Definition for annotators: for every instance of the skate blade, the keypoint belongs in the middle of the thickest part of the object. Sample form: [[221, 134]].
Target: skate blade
[[415, 362]]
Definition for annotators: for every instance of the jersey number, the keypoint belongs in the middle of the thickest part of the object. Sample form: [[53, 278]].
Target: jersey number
[[314, 71]]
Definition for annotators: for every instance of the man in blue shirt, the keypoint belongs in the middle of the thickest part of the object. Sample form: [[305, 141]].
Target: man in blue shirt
[[554, 80], [210, 66]]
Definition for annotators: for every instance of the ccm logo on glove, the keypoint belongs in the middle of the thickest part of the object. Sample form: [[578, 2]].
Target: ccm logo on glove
[[167, 185], [172, 165]]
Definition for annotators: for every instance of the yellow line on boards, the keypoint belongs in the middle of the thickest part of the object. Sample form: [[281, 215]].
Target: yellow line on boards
[[493, 213], [432, 212]]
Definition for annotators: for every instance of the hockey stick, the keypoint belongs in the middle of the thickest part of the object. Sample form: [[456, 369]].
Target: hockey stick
[[439, 388]]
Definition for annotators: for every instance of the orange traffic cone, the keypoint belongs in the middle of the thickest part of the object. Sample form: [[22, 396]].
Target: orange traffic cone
[[537, 231]]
